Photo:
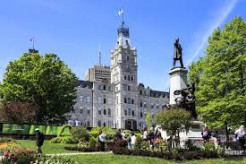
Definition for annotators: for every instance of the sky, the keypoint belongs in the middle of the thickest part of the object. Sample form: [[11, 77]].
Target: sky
[[74, 29]]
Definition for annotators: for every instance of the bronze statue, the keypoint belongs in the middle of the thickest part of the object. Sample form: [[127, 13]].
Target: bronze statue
[[187, 99], [177, 53]]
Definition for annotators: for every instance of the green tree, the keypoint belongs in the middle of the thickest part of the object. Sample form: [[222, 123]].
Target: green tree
[[148, 119], [174, 120], [44, 81], [220, 77]]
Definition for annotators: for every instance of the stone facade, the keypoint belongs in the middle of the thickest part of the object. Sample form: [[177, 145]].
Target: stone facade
[[118, 102]]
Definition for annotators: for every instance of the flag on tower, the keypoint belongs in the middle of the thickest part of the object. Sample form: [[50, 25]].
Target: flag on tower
[[120, 12]]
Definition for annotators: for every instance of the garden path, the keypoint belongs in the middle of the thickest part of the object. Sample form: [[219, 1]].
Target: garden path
[[67, 154]]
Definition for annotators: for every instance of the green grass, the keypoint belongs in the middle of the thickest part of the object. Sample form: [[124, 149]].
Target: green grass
[[52, 148], [123, 159], [47, 148]]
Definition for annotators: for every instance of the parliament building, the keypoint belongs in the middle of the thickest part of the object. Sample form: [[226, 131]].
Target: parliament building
[[111, 95]]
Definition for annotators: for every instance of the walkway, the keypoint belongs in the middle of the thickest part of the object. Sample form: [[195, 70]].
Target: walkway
[[66, 154]]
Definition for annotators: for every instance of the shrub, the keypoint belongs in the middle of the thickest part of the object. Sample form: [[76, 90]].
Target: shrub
[[190, 145], [138, 142], [94, 134], [120, 143], [20, 156], [80, 133], [92, 142], [145, 145], [65, 139], [63, 128]]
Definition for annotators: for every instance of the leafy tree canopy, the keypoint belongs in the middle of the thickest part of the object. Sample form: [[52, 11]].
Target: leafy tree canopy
[[42, 80], [220, 77]]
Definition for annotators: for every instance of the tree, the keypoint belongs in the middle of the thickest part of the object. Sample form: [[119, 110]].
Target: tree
[[17, 112], [42, 80], [174, 120], [220, 77], [148, 119]]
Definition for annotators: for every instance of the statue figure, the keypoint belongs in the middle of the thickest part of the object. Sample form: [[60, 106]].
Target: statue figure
[[187, 99], [177, 53]]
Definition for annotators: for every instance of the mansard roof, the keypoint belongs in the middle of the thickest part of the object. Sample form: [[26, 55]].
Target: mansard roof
[[154, 93]]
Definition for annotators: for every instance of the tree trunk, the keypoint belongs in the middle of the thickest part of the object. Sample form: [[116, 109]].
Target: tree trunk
[[227, 132]]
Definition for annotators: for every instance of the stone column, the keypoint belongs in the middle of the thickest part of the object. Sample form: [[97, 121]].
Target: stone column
[[178, 81]]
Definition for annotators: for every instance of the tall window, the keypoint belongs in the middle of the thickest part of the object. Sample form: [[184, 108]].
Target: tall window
[[99, 100], [104, 124], [104, 87], [104, 112], [99, 123], [132, 101], [88, 99], [141, 104], [125, 111], [81, 98], [125, 100], [129, 88], [88, 111], [109, 111], [104, 101], [81, 110], [99, 111], [129, 111], [133, 113], [88, 124]]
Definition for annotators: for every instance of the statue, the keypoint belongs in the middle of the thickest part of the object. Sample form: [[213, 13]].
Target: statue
[[187, 99], [177, 53]]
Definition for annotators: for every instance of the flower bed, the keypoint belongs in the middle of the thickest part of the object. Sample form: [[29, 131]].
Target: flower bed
[[175, 155]]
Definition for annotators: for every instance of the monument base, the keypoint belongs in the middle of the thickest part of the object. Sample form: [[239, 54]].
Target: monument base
[[178, 81]]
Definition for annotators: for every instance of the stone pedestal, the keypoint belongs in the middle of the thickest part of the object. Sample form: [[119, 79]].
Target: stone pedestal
[[178, 81]]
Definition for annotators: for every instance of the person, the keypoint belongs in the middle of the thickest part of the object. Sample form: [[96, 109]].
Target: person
[[128, 138], [118, 135], [240, 134], [145, 134], [133, 140], [177, 53], [102, 140], [39, 140], [206, 134], [151, 137]]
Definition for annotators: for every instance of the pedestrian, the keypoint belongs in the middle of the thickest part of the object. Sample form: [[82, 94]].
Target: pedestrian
[[102, 140], [145, 134], [240, 137], [118, 135], [133, 140], [151, 137], [39, 140], [206, 134]]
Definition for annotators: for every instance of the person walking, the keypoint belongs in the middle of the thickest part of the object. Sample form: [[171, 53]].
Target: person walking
[[39, 140], [240, 137], [206, 135], [145, 134], [102, 140], [133, 140]]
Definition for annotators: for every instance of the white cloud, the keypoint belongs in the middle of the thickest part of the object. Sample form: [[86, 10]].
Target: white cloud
[[222, 15]]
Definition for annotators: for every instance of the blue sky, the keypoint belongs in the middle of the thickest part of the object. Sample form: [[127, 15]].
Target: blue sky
[[73, 30]]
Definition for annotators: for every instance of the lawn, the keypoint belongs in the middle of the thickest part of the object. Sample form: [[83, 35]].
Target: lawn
[[122, 159], [47, 148], [51, 148]]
